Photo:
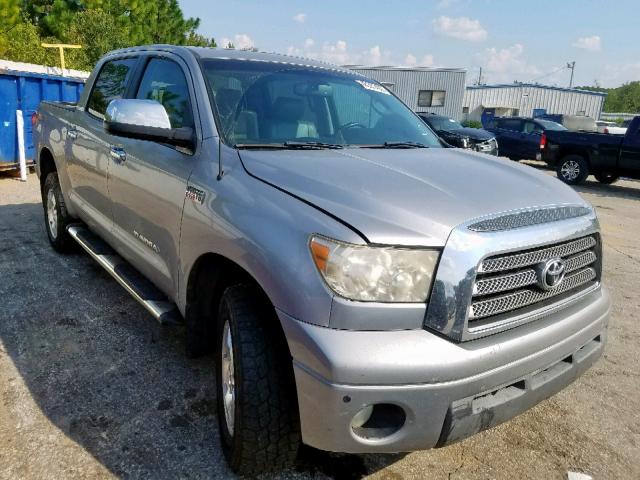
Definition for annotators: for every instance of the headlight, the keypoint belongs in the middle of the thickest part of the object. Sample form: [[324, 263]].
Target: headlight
[[375, 274]]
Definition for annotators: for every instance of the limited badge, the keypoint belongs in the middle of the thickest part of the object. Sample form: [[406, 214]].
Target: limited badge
[[195, 194]]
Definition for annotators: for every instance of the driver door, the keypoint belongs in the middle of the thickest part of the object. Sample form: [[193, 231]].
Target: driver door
[[148, 180]]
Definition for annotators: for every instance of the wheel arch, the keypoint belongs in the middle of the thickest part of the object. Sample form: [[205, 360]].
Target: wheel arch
[[46, 165], [579, 152], [208, 278]]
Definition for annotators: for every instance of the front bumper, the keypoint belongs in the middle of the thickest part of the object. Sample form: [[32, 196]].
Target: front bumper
[[447, 390]]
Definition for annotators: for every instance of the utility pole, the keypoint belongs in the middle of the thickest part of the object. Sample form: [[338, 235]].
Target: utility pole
[[479, 77], [572, 66], [60, 47]]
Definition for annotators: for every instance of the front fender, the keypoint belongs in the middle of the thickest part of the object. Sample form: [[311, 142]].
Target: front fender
[[263, 230]]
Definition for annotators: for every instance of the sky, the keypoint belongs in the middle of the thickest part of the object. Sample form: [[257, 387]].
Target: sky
[[511, 40]]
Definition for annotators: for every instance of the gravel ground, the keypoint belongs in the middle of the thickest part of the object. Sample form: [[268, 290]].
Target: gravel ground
[[91, 387]]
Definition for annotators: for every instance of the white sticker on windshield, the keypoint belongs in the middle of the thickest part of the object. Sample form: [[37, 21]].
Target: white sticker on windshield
[[374, 87]]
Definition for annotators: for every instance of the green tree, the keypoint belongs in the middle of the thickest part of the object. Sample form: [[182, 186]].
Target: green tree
[[97, 32], [22, 44], [9, 15]]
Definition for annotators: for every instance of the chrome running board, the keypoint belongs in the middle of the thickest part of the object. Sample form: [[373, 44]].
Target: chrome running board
[[147, 294]]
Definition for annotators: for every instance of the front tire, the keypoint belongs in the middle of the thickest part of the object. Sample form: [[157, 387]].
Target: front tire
[[572, 169], [606, 178], [257, 405], [56, 218]]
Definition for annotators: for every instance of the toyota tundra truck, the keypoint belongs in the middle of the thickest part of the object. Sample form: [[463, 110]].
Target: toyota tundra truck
[[362, 287]]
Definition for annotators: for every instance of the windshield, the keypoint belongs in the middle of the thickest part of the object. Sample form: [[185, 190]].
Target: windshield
[[449, 124], [549, 125], [262, 103]]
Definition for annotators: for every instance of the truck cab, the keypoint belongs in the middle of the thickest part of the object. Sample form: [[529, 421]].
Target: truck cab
[[576, 155], [519, 138]]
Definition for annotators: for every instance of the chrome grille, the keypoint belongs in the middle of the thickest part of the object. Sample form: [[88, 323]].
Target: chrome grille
[[510, 282]]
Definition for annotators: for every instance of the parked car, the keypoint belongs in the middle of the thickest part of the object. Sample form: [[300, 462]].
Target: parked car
[[519, 138], [575, 155], [363, 288], [452, 132], [574, 123], [610, 128]]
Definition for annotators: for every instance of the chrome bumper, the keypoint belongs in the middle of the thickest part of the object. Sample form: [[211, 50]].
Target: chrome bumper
[[446, 390]]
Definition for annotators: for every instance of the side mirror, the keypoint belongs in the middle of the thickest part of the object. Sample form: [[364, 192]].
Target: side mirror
[[144, 120]]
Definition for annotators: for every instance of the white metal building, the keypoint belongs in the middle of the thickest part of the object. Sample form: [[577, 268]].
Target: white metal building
[[437, 90], [527, 100]]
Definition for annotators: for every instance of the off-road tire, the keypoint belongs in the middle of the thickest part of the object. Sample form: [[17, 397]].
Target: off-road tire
[[572, 169], [266, 431], [606, 178], [59, 238]]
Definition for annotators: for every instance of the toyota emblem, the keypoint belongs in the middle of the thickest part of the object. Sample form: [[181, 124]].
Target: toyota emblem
[[551, 274]]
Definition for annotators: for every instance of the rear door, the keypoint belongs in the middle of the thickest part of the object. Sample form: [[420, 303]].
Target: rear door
[[87, 145], [508, 131], [148, 185], [530, 139], [630, 151]]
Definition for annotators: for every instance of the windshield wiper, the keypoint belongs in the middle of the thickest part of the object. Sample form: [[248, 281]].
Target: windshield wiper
[[289, 145], [396, 145], [312, 145]]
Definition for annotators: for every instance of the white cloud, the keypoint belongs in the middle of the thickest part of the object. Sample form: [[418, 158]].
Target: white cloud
[[309, 42], [462, 28], [412, 61], [300, 18], [592, 44], [373, 56], [240, 41], [507, 64]]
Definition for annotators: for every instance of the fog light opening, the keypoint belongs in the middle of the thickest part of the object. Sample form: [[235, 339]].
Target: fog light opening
[[375, 422]]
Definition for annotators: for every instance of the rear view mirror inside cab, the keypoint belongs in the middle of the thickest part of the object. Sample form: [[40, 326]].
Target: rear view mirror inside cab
[[311, 90]]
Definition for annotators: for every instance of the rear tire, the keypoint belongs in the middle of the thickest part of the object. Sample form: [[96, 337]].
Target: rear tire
[[572, 169], [257, 404], [606, 178], [56, 218]]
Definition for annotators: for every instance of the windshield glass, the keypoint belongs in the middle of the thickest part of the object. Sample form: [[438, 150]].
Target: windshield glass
[[549, 125], [275, 103], [449, 125]]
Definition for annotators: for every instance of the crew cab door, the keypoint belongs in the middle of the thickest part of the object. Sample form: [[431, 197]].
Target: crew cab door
[[508, 132], [630, 150], [530, 139], [148, 180], [87, 152]]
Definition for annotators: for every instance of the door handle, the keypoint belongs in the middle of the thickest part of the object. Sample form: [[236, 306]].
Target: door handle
[[72, 134], [118, 154]]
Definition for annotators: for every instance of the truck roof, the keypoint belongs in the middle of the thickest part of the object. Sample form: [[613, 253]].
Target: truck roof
[[226, 53]]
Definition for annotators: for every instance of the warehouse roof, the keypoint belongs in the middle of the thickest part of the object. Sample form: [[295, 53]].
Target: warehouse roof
[[536, 85]]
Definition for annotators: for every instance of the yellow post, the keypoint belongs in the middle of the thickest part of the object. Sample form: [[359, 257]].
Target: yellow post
[[60, 47]]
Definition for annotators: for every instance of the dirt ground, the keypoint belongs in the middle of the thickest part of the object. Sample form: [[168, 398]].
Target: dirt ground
[[92, 387]]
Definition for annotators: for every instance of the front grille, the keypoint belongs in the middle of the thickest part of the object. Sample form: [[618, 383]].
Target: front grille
[[511, 283]]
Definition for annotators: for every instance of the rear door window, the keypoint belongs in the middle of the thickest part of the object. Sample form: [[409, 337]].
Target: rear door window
[[164, 82], [110, 85], [510, 124]]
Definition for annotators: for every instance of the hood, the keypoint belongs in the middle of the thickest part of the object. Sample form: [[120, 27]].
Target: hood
[[476, 134], [407, 197]]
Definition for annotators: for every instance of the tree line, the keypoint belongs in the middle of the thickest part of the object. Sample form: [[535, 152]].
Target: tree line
[[625, 98], [98, 25]]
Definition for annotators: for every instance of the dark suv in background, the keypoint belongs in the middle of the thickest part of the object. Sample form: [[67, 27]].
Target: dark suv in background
[[452, 132], [519, 138]]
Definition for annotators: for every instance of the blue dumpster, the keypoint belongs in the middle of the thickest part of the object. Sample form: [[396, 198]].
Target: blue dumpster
[[24, 91]]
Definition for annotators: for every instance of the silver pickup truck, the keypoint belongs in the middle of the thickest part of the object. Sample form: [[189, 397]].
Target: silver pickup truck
[[364, 289]]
